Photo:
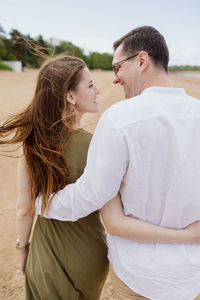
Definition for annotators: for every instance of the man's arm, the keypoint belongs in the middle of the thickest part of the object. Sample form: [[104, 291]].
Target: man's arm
[[106, 165]]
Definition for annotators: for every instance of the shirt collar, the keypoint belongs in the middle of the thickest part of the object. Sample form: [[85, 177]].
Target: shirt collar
[[164, 90]]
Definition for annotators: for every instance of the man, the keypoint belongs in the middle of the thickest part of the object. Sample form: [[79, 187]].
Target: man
[[146, 147]]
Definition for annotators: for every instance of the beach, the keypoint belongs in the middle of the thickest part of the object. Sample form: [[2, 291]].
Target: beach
[[16, 91]]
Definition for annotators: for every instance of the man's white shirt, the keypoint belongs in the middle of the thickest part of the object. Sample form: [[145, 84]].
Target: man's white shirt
[[148, 148]]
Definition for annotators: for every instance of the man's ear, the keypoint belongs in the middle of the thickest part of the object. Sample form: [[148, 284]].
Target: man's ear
[[70, 98], [144, 60]]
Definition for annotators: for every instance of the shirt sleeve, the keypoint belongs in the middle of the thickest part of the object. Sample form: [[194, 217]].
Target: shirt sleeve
[[102, 177]]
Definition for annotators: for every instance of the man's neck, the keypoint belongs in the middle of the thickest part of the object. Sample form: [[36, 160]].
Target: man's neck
[[160, 79]]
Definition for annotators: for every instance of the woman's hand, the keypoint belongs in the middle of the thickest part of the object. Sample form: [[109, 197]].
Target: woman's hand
[[193, 232], [23, 254]]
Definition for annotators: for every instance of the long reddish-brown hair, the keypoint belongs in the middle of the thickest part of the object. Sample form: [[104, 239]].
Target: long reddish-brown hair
[[45, 125]]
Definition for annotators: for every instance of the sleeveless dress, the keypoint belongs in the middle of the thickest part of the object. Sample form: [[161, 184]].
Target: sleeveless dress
[[68, 260]]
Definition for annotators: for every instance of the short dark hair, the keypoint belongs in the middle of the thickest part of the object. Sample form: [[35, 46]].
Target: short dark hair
[[148, 39]]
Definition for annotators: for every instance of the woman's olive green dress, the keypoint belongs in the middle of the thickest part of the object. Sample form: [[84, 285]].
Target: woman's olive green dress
[[68, 260]]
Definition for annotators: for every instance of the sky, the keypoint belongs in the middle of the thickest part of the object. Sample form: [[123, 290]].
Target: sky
[[94, 25]]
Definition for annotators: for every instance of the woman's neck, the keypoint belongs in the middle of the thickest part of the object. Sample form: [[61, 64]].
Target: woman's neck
[[77, 124]]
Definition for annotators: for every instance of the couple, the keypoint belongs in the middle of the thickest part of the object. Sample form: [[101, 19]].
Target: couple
[[144, 152]]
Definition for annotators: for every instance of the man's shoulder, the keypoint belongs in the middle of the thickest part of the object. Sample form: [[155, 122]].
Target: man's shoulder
[[123, 104], [191, 98], [147, 106], [128, 111]]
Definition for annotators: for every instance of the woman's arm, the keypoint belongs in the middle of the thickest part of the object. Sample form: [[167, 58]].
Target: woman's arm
[[25, 210], [117, 223]]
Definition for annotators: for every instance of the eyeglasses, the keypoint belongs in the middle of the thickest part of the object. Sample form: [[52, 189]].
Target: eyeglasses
[[115, 70]]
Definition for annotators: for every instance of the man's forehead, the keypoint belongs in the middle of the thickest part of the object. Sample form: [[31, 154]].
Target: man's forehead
[[118, 54]]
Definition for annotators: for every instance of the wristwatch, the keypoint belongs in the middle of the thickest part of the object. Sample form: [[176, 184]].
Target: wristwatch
[[19, 247]]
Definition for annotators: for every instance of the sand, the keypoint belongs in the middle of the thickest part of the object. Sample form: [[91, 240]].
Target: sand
[[16, 91]]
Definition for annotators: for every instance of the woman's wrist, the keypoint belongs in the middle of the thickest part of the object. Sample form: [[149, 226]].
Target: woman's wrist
[[190, 236], [20, 246], [185, 236]]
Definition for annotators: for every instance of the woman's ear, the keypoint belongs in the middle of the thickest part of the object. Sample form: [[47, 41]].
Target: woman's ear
[[70, 98]]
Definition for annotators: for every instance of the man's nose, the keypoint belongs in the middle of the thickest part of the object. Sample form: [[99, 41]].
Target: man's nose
[[116, 80]]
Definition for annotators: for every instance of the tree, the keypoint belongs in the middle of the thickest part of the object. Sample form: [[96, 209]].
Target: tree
[[100, 61], [2, 31], [15, 45], [33, 50], [70, 49], [38, 49], [2, 46]]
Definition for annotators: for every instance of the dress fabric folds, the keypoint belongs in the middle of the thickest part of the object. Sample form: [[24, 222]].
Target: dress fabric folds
[[68, 260]]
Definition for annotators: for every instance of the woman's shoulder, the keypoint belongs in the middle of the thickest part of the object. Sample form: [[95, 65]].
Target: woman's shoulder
[[80, 137], [82, 133], [76, 153], [78, 142]]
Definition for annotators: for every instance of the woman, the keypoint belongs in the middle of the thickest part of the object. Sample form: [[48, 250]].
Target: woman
[[66, 260]]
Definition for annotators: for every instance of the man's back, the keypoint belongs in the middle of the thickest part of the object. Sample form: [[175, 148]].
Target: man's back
[[161, 186]]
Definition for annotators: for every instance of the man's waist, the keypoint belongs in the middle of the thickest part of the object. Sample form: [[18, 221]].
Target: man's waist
[[153, 256], [151, 283]]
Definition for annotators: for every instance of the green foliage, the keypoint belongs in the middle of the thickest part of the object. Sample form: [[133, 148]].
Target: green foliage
[[69, 49], [100, 61], [36, 57], [3, 50], [2, 31], [5, 67], [183, 68], [15, 47]]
